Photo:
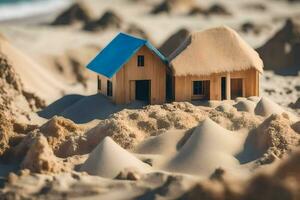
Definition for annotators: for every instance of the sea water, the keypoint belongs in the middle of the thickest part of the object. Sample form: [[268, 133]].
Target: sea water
[[15, 9]]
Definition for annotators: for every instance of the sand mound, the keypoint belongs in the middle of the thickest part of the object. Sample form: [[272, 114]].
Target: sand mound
[[227, 116], [12, 89], [254, 99], [295, 105], [173, 42], [35, 79], [197, 10], [76, 12], [137, 31], [283, 183], [166, 143], [40, 158], [209, 147], [108, 20], [265, 107], [218, 9], [58, 130], [63, 136], [215, 9], [245, 106], [255, 6], [251, 27], [173, 6], [274, 137], [225, 107], [16, 105], [108, 159], [282, 51]]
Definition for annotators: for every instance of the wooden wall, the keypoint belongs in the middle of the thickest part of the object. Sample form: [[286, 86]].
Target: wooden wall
[[154, 70], [183, 84], [104, 86]]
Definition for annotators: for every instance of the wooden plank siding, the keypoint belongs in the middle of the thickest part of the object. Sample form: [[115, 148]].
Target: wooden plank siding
[[154, 70], [183, 84], [103, 89]]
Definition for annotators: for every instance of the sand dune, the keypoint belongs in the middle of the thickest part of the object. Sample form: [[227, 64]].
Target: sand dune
[[108, 159], [209, 147], [215, 9], [265, 107], [78, 12], [165, 144], [245, 105], [137, 31], [35, 78], [173, 6], [109, 20], [281, 52]]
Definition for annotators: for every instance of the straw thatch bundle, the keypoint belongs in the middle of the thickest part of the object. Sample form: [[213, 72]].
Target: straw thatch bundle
[[214, 50]]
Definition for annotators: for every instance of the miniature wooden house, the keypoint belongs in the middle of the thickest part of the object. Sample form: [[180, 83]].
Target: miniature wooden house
[[131, 69], [215, 64]]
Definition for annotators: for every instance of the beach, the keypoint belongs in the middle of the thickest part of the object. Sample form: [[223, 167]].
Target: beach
[[61, 139]]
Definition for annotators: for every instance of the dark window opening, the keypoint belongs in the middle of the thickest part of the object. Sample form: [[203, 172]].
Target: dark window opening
[[140, 61], [223, 88], [201, 90], [99, 84], [109, 88], [198, 88]]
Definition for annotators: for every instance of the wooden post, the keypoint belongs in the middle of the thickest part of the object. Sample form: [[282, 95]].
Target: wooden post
[[132, 91], [257, 84], [228, 86]]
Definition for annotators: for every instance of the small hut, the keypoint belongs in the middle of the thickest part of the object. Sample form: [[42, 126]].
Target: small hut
[[215, 64], [130, 69]]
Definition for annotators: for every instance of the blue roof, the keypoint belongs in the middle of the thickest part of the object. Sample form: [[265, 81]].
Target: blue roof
[[117, 53]]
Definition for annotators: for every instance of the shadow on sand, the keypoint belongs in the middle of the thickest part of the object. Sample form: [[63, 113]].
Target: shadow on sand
[[250, 152], [83, 109]]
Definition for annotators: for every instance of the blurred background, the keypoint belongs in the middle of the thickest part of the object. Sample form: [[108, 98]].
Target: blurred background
[[51, 41]]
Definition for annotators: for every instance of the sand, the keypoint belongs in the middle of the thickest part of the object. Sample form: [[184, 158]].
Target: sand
[[108, 159], [209, 147], [161, 144], [247, 148], [183, 158], [40, 157], [245, 105], [35, 78], [265, 108]]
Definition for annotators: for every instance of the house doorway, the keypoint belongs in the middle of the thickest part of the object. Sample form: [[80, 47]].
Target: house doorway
[[143, 90], [236, 88], [109, 89], [169, 87], [223, 88]]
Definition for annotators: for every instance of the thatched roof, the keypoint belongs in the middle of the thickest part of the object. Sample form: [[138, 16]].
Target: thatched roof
[[214, 50]]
